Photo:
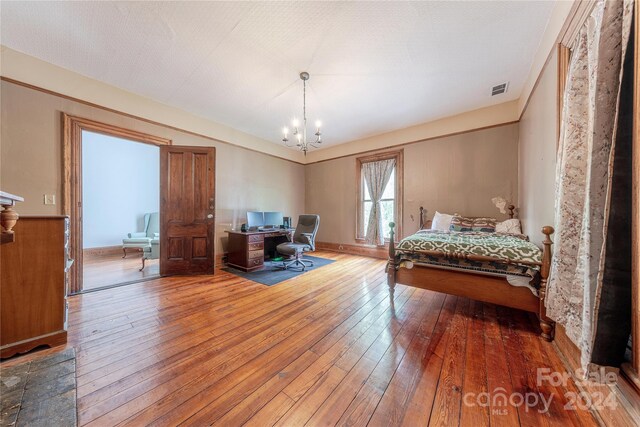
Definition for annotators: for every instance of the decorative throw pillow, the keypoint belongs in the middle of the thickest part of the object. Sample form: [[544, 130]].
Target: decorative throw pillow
[[441, 221], [510, 226], [460, 223], [484, 225]]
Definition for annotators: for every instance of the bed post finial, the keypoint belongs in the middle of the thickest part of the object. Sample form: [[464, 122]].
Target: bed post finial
[[546, 324], [392, 233], [511, 209], [421, 218], [391, 263]]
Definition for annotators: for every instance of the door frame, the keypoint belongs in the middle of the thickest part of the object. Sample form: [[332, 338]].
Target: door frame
[[72, 180]]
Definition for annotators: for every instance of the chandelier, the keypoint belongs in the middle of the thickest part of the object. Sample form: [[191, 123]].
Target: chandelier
[[300, 135]]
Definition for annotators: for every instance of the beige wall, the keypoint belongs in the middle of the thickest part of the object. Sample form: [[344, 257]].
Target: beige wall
[[537, 155], [31, 160], [459, 173]]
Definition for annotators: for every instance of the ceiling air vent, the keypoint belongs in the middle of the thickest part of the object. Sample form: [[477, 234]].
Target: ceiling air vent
[[498, 89]]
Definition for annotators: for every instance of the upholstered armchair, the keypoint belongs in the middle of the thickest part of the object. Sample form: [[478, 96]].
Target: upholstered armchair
[[142, 239], [151, 252]]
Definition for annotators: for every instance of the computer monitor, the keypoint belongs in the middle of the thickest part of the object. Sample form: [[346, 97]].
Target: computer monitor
[[273, 219], [255, 219]]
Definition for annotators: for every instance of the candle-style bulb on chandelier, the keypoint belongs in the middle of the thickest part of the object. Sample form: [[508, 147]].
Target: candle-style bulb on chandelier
[[300, 134]]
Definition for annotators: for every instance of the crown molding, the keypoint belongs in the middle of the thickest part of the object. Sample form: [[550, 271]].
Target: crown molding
[[30, 71], [483, 118], [33, 73]]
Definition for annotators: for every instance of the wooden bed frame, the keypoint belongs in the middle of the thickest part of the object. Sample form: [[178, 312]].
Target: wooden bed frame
[[475, 285]]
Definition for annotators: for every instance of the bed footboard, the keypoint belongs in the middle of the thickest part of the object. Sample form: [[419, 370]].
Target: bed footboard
[[520, 300]]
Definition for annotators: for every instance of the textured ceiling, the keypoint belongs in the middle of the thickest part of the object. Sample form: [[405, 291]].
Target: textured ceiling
[[375, 66]]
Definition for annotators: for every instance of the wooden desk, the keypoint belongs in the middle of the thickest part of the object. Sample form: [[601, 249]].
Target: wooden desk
[[247, 250]]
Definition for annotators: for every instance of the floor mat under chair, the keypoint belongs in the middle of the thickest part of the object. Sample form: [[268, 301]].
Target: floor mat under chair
[[271, 275]]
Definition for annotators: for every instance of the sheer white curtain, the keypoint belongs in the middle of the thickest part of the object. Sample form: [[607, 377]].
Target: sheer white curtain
[[377, 175], [584, 172]]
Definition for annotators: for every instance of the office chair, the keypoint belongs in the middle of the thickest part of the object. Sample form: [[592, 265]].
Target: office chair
[[304, 240]]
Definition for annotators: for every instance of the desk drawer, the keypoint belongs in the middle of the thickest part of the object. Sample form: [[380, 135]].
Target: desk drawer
[[256, 254], [256, 238], [255, 246], [255, 262], [275, 234]]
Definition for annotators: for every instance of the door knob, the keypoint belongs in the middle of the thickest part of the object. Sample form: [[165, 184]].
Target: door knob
[[210, 216]]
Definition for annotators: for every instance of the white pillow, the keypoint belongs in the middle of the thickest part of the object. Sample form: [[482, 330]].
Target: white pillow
[[510, 226], [441, 221]]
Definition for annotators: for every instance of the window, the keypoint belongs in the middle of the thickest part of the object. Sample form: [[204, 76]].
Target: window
[[391, 197], [388, 201]]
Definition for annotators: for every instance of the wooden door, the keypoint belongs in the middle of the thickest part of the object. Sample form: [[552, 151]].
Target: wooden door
[[187, 210]]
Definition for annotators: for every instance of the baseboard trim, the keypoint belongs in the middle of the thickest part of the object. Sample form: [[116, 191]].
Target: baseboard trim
[[52, 339], [363, 250], [105, 250], [626, 396], [117, 250]]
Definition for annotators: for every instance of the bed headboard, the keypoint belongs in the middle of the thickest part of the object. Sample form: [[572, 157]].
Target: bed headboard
[[426, 223]]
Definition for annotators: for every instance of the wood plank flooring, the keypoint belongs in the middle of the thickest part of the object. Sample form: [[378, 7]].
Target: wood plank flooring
[[111, 269], [325, 348]]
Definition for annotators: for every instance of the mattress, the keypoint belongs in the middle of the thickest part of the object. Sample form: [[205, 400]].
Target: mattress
[[516, 249]]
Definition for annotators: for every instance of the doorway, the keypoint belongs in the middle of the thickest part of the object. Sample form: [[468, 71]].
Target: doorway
[[185, 244], [120, 210], [102, 183]]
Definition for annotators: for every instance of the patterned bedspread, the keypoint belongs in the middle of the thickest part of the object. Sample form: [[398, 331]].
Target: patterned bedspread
[[510, 247]]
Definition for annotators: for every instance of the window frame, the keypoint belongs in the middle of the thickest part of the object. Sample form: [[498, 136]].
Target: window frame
[[398, 156]]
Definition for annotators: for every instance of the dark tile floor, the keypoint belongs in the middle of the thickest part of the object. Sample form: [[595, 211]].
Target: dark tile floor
[[41, 392]]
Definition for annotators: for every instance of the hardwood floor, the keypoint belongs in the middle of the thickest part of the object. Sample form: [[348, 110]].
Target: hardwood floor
[[324, 348], [111, 269]]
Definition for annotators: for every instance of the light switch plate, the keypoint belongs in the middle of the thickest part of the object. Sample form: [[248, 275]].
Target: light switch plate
[[49, 199]]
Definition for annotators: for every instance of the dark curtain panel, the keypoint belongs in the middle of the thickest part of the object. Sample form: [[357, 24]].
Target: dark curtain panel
[[614, 315]]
